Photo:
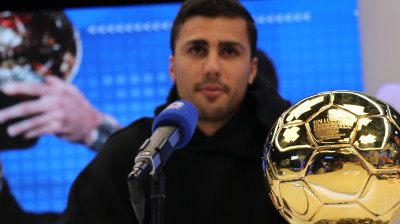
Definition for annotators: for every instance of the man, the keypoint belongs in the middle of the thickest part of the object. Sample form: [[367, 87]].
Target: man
[[218, 176]]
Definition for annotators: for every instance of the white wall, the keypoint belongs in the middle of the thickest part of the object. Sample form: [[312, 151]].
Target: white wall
[[379, 22]]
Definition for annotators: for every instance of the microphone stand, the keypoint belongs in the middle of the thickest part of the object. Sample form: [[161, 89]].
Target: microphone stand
[[158, 194], [158, 197]]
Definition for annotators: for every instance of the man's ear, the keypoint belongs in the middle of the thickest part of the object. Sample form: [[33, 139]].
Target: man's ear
[[253, 70], [171, 69]]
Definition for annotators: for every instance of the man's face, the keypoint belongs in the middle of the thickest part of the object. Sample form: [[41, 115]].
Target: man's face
[[212, 65]]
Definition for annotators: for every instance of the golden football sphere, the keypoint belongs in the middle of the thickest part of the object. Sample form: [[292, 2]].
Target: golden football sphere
[[334, 158]]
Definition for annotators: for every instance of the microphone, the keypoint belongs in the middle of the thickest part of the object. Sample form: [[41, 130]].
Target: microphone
[[172, 129]]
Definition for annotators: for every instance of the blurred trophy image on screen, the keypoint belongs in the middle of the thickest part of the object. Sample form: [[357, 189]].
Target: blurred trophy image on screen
[[334, 157], [32, 45], [37, 43]]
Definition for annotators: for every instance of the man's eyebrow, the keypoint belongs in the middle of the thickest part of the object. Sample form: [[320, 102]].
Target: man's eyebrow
[[231, 44], [196, 42], [199, 42]]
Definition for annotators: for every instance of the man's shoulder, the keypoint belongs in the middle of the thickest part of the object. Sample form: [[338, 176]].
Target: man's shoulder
[[139, 124], [136, 131], [121, 147]]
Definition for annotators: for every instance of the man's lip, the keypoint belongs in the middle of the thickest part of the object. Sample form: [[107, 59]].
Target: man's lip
[[212, 87], [211, 90]]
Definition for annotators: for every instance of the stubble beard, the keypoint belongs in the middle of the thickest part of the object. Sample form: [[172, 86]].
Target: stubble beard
[[213, 114], [212, 110]]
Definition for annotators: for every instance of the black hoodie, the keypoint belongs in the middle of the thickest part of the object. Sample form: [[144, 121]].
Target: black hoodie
[[217, 179]]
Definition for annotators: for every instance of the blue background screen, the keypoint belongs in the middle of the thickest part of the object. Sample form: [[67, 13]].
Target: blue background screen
[[313, 44]]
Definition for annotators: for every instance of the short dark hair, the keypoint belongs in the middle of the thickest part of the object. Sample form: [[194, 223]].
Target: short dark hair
[[212, 9]]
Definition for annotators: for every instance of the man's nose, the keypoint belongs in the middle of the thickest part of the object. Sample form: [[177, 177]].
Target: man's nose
[[212, 66]]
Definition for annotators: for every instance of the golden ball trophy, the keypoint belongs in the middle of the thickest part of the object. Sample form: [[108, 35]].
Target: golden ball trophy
[[334, 158]]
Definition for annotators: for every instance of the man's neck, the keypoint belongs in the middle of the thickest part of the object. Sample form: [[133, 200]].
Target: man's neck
[[210, 127]]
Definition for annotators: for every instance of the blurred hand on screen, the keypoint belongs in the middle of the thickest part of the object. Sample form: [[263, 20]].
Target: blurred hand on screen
[[57, 108]]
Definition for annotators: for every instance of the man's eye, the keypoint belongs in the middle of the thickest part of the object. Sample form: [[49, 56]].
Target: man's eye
[[197, 50], [231, 51]]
